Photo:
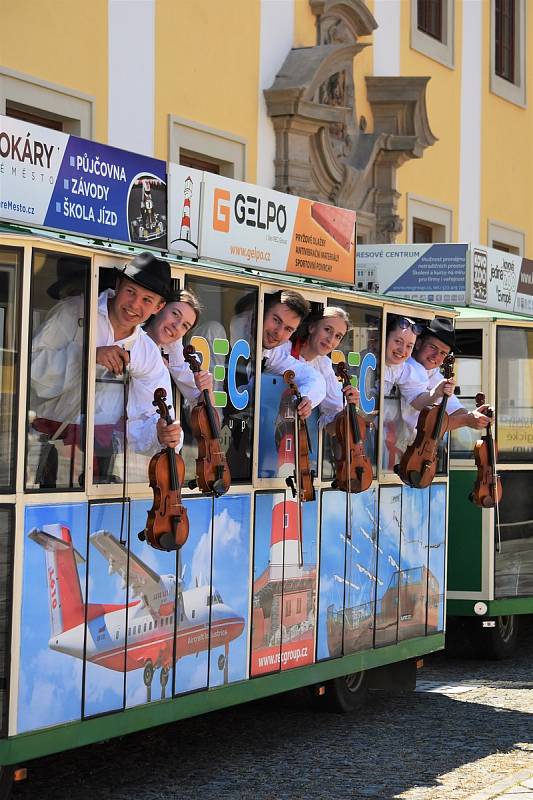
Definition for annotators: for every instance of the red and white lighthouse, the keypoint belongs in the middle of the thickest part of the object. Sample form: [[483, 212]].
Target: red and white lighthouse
[[185, 230], [285, 541]]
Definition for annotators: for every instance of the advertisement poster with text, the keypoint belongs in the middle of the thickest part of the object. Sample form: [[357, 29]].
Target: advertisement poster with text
[[501, 281], [52, 179], [264, 229], [433, 273]]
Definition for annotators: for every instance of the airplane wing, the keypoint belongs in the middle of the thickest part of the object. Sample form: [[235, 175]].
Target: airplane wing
[[141, 578]]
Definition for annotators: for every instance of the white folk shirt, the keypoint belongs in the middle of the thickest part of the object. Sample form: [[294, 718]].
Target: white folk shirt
[[311, 383], [57, 364], [182, 374], [415, 381], [333, 401]]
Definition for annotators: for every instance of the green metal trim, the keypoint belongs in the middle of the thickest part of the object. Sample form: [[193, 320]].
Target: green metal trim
[[26, 746], [464, 535], [496, 608]]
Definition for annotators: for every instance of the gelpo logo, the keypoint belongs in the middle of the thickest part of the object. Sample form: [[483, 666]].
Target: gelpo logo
[[479, 276], [221, 210]]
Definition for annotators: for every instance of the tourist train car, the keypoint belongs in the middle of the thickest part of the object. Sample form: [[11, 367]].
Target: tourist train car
[[490, 550], [102, 634]]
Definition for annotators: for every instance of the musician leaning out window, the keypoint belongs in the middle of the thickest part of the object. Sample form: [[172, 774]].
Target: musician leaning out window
[[141, 289]]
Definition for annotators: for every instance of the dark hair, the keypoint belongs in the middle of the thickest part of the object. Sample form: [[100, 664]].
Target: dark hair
[[293, 300], [399, 321]]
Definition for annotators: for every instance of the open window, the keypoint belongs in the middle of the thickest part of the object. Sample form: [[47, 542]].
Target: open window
[[56, 416]]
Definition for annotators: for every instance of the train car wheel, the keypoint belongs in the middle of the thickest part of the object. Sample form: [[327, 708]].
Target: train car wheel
[[346, 694]]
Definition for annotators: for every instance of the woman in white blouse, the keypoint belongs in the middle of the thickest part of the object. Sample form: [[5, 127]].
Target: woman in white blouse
[[313, 343], [167, 329]]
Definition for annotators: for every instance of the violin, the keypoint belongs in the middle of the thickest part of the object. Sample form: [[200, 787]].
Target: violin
[[487, 491], [353, 467], [212, 471], [301, 483], [167, 524], [418, 464]]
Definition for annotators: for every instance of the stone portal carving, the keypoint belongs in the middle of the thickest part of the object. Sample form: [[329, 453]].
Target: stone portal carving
[[322, 150]]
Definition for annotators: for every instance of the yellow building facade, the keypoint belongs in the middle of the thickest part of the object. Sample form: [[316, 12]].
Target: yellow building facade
[[397, 108]]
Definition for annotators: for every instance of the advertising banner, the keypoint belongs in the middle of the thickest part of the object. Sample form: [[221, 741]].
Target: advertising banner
[[184, 195], [261, 228], [434, 273], [52, 179], [501, 281]]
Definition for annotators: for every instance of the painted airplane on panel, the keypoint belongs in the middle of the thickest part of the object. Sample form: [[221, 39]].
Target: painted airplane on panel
[[139, 634]]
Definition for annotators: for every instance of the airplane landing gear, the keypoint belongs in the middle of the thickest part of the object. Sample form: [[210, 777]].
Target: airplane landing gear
[[223, 663], [148, 676], [163, 677]]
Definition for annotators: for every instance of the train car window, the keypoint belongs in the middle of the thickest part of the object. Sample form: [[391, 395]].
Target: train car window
[[10, 270], [514, 394], [225, 337], [468, 383], [360, 350], [513, 560], [7, 539], [56, 430]]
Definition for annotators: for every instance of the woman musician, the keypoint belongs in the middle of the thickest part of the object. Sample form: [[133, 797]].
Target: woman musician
[[167, 329]]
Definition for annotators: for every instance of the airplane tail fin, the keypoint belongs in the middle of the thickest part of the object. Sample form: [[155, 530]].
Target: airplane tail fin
[[64, 591]]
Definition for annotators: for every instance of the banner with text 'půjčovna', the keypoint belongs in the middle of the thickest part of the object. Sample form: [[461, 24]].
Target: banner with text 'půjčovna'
[[52, 179]]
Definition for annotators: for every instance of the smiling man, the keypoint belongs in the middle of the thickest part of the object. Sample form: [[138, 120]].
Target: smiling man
[[284, 311], [424, 384], [57, 366]]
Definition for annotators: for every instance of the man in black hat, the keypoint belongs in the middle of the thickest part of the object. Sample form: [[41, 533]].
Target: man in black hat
[[57, 358], [424, 383]]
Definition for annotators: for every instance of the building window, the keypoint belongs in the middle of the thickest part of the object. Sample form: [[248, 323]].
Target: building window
[[428, 221], [508, 50], [199, 163], [209, 149], [503, 237], [422, 233], [50, 105], [504, 34], [432, 29], [36, 119], [429, 18]]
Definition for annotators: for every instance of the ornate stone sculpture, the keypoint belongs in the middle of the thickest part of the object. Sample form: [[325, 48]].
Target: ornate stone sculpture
[[322, 152]]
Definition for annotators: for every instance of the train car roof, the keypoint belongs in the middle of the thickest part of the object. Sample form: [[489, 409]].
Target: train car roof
[[118, 249]]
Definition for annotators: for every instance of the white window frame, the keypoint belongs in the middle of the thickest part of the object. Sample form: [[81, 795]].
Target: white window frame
[[437, 216], [514, 238], [443, 52], [75, 110], [513, 92], [220, 147]]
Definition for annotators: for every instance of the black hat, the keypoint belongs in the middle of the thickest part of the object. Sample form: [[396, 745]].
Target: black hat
[[148, 271], [72, 277], [442, 328]]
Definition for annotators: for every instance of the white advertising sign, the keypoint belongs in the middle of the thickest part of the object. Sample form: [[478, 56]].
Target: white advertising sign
[[501, 281], [434, 273], [257, 227]]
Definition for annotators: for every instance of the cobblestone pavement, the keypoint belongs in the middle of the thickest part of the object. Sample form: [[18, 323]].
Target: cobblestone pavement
[[470, 727]]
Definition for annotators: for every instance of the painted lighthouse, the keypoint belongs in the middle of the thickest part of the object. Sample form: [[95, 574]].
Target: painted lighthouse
[[284, 596]]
